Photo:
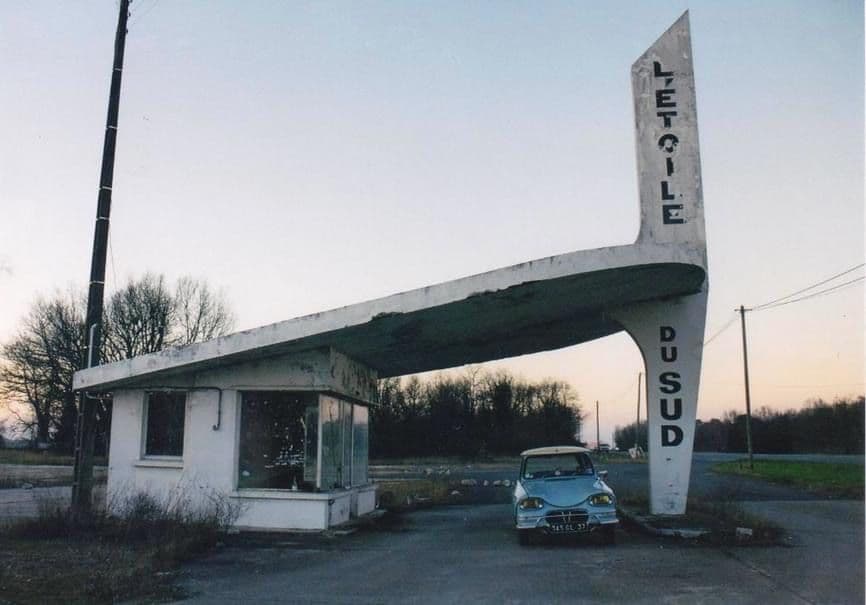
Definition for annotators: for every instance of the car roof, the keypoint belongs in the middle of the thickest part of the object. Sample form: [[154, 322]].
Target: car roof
[[554, 449]]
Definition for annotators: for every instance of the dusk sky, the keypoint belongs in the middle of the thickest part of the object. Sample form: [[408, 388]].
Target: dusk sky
[[308, 155]]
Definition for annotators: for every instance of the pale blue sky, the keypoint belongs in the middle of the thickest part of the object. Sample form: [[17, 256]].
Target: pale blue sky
[[310, 155]]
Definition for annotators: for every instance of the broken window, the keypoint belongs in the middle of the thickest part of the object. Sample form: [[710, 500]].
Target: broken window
[[301, 441], [275, 440], [165, 418]]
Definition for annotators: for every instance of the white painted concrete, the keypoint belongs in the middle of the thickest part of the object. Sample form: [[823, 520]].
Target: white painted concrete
[[281, 509], [669, 332], [668, 154], [670, 337]]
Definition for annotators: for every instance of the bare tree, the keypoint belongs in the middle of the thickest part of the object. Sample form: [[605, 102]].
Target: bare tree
[[38, 364], [144, 316], [200, 313], [138, 318]]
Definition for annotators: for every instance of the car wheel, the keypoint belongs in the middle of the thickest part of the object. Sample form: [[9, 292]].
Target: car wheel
[[523, 536], [608, 532]]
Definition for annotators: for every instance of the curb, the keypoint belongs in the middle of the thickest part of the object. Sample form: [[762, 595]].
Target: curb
[[353, 525], [643, 523]]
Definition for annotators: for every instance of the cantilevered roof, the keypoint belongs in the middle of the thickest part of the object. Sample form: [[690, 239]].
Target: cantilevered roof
[[534, 306]]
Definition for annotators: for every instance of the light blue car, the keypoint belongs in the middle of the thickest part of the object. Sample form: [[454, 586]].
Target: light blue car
[[560, 492]]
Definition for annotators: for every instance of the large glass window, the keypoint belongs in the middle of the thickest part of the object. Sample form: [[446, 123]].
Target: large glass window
[[275, 440], [360, 444], [166, 415], [345, 437], [336, 457], [303, 441], [311, 445]]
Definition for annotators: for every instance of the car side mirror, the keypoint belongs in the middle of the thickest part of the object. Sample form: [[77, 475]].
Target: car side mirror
[[602, 475]]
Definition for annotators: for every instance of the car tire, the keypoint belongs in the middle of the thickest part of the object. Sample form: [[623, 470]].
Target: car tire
[[608, 532], [523, 537]]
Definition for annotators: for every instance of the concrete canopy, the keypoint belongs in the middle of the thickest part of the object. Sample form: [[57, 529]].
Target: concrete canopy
[[534, 306]]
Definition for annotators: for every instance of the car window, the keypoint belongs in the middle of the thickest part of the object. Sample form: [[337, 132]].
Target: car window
[[557, 465]]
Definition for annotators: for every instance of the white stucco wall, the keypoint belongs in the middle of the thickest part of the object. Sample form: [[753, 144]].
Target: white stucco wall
[[208, 459], [208, 466]]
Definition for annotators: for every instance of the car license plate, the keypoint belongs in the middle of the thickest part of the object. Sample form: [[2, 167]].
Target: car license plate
[[564, 528]]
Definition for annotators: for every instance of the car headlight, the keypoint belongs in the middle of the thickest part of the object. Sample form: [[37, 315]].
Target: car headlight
[[601, 499], [531, 504]]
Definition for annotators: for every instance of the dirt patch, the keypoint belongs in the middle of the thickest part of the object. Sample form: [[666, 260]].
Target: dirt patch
[[719, 523], [412, 494]]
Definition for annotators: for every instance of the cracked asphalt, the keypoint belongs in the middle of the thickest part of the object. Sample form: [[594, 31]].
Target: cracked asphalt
[[460, 554]]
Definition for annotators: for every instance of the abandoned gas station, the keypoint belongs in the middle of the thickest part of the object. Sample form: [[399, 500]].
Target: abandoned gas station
[[277, 417]]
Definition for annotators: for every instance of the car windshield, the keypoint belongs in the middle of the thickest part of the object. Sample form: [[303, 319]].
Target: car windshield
[[557, 465]]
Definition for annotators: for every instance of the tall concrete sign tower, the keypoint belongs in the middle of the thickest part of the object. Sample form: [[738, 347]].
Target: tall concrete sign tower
[[669, 332]]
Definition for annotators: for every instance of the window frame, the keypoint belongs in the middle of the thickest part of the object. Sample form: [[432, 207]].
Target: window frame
[[239, 425], [145, 416]]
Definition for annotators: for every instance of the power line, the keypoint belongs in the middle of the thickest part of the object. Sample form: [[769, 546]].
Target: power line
[[815, 285], [113, 267], [812, 295], [720, 330], [138, 15], [814, 386]]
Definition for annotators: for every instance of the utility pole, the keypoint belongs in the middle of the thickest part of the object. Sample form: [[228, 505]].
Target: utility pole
[[748, 397], [597, 431], [637, 426], [82, 480]]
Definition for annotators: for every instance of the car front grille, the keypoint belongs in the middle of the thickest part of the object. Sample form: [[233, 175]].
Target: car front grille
[[577, 515]]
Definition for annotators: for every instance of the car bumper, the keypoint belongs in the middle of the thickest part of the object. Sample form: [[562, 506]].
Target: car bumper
[[538, 520]]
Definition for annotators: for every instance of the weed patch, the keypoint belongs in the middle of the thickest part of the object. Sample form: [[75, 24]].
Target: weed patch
[[103, 559], [722, 522]]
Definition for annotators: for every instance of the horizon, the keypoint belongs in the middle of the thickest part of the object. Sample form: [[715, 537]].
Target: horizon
[[393, 147]]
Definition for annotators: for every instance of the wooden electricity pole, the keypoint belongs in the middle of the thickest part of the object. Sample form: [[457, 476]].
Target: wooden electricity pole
[[597, 430], [82, 476], [748, 397]]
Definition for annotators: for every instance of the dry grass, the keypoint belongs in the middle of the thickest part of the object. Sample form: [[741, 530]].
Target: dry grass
[[40, 457], [104, 559]]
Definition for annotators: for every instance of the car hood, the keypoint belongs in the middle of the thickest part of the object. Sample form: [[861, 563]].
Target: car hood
[[563, 491]]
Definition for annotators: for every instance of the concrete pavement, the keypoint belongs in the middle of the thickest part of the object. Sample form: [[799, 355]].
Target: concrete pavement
[[465, 554], [825, 562]]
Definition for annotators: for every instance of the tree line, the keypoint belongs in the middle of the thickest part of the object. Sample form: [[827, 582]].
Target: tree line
[[145, 315], [473, 415], [820, 427]]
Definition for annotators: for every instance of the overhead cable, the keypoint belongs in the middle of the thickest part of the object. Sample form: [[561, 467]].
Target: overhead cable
[[815, 285], [812, 295], [718, 333]]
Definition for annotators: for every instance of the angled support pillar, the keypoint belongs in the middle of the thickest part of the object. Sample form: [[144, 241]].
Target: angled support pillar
[[670, 337], [669, 332]]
